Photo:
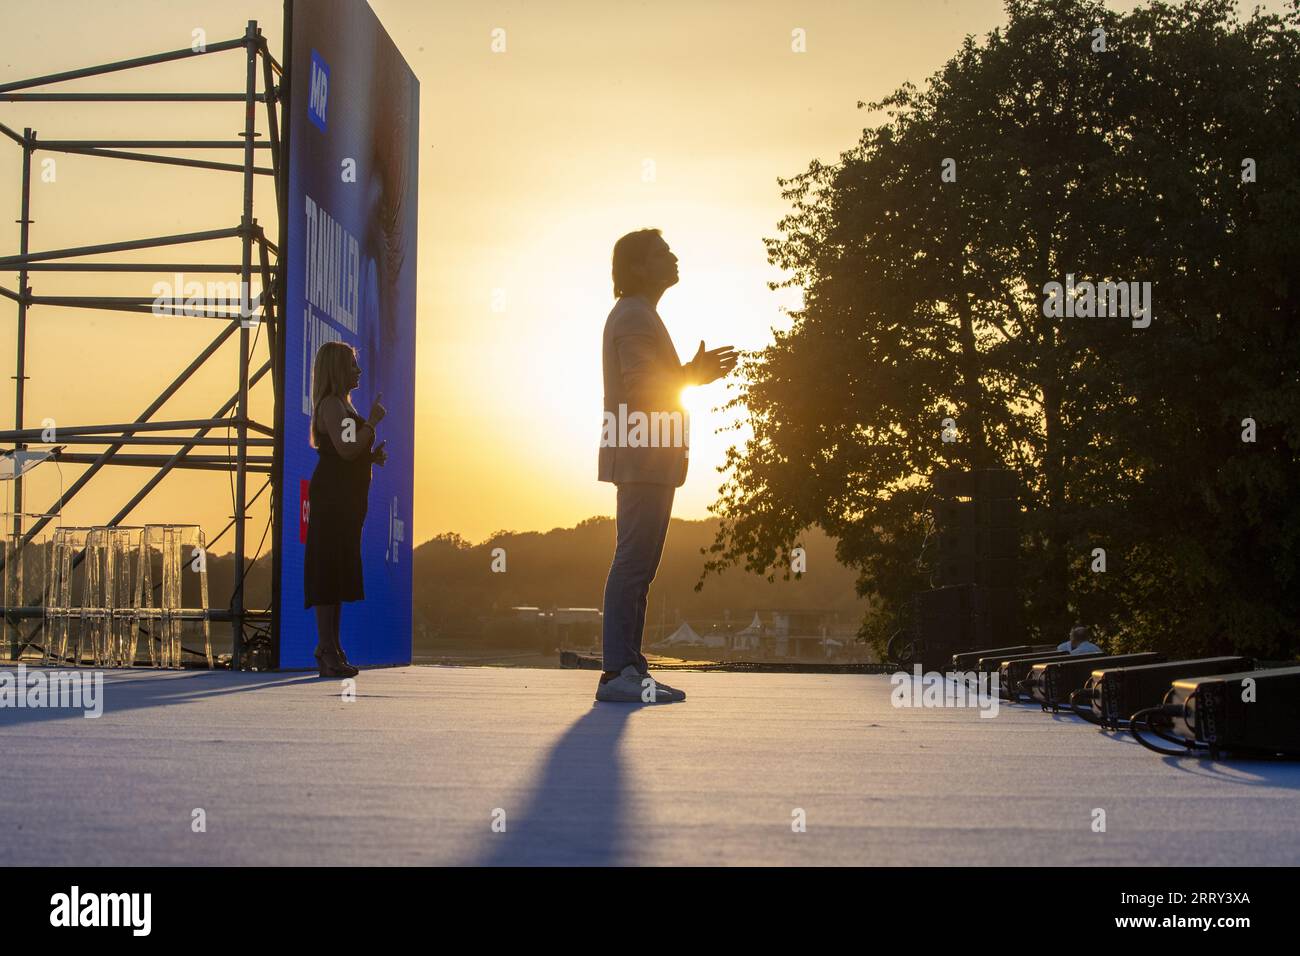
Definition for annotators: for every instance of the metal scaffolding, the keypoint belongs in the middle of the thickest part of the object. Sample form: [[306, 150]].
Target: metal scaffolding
[[166, 452]]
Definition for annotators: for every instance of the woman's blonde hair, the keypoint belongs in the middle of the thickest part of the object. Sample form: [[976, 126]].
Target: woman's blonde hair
[[331, 374]]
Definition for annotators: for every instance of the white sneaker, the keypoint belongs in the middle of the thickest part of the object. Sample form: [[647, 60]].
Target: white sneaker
[[633, 687], [677, 695]]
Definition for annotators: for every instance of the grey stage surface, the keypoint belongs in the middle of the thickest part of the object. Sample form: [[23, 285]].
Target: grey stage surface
[[413, 770]]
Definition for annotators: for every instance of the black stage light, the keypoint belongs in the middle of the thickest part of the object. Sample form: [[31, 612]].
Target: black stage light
[[1012, 670], [969, 659], [1247, 711], [993, 662], [1052, 682], [1110, 695]]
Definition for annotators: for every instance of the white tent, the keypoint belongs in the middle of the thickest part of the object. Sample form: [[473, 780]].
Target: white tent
[[684, 636], [748, 638]]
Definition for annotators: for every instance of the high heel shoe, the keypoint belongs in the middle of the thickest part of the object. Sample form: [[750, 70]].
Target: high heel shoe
[[330, 666]]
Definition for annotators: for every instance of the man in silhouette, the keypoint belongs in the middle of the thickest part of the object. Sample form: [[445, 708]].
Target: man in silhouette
[[1079, 641], [644, 450]]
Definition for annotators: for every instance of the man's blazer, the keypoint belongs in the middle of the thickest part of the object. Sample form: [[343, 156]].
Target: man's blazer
[[642, 374]]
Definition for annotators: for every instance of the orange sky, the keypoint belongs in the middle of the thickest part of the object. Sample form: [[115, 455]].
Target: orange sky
[[533, 162]]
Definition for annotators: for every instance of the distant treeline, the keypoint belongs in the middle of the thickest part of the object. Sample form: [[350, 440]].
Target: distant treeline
[[457, 594], [456, 588]]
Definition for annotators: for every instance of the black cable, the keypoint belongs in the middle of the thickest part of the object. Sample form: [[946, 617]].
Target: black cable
[[1015, 688], [1139, 720], [1029, 683], [1142, 718], [925, 540], [1181, 711], [890, 653], [1088, 688]]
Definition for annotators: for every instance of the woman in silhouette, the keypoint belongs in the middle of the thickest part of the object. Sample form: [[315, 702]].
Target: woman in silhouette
[[339, 489]]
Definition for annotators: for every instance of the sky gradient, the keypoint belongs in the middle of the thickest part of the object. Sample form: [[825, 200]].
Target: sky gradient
[[533, 161]]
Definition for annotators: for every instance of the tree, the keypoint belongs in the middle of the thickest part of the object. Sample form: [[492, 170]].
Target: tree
[[1080, 142]]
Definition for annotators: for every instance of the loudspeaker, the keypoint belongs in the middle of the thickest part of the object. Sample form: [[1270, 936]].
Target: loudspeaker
[[982, 482], [977, 547], [952, 515], [998, 573], [994, 661], [968, 659], [1253, 711], [997, 616], [997, 512], [997, 542], [944, 602], [996, 483], [943, 623], [1110, 695], [991, 573], [1052, 683], [1015, 669], [953, 483], [949, 572], [959, 543], [978, 542]]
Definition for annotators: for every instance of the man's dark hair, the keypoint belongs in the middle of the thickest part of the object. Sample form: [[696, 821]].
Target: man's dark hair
[[630, 252]]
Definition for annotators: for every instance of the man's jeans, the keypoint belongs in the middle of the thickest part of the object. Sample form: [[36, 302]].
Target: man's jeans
[[643, 513]]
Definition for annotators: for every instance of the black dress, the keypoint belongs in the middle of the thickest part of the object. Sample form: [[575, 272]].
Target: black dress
[[338, 499]]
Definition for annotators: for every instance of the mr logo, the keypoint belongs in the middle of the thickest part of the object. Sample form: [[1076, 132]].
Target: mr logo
[[304, 508], [318, 91]]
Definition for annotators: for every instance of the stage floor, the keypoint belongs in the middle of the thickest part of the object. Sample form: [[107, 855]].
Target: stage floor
[[417, 768]]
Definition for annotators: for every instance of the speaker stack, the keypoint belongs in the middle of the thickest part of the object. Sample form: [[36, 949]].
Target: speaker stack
[[976, 600], [942, 623]]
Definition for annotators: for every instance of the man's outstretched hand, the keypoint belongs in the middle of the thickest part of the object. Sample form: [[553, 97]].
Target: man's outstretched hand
[[712, 365]]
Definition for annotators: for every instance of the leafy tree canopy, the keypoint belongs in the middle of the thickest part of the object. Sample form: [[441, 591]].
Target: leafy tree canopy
[[1170, 157]]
